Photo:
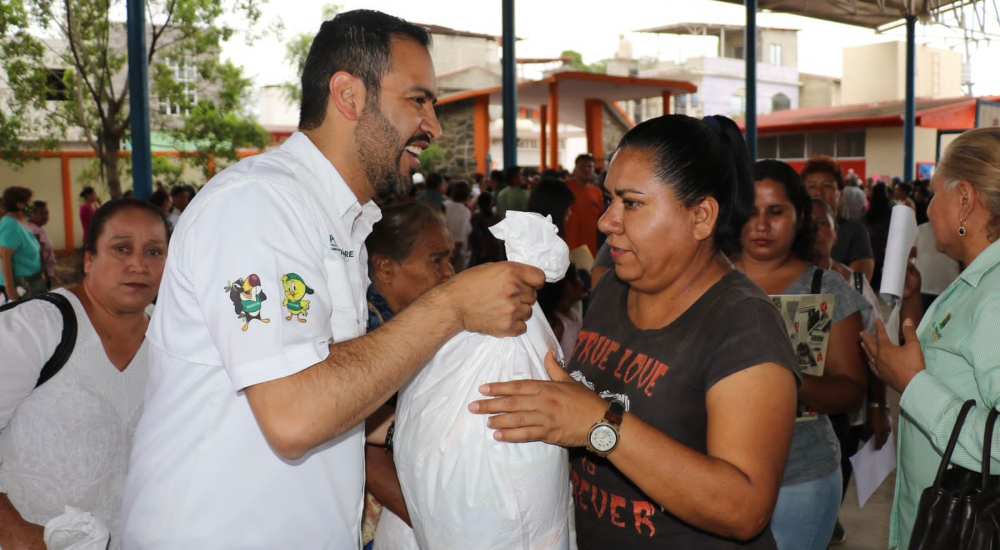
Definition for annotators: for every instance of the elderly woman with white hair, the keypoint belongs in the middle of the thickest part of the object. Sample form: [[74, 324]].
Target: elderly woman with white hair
[[952, 356]]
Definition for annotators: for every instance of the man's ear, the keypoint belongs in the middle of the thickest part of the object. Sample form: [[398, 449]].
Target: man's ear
[[706, 214], [347, 95]]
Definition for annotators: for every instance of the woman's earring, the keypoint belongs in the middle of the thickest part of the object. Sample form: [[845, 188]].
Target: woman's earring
[[961, 230]]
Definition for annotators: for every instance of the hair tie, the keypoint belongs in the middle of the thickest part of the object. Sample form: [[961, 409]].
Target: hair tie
[[713, 123]]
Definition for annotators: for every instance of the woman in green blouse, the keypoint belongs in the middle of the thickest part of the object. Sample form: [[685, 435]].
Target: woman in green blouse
[[20, 256], [952, 356]]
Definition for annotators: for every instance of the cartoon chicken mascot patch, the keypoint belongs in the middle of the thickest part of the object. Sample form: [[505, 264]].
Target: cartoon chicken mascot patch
[[295, 290], [247, 297]]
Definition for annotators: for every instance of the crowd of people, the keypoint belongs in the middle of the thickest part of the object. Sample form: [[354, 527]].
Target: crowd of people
[[299, 290]]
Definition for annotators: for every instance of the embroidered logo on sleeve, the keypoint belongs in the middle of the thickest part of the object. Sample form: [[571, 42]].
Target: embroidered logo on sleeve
[[295, 290], [247, 297]]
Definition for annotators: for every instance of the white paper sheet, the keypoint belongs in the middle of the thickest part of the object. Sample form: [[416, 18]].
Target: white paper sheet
[[871, 467]]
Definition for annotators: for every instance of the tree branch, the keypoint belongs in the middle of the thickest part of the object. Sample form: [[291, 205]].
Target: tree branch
[[80, 65], [106, 75], [157, 33]]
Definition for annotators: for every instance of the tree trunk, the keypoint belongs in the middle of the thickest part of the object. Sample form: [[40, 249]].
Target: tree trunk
[[109, 158], [110, 162]]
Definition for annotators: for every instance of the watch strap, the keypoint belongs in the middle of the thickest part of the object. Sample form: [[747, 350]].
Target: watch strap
[[616, 410]]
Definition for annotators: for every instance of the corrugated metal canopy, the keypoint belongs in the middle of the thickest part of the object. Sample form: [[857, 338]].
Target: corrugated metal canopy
[[862, 13], [703, 29]]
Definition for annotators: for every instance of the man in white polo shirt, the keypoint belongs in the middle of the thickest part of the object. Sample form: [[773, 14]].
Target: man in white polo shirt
[[260, 373]]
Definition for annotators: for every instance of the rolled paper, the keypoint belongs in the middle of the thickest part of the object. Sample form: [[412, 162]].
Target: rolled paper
[[902, 234]]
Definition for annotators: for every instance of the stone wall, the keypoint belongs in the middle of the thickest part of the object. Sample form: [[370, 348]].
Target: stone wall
[[614, 131], [459, 139]]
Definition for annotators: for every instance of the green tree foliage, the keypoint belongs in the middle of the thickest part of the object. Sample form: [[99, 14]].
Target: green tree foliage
[[578, 64], [431, 159], [66, 69], [297, 50]]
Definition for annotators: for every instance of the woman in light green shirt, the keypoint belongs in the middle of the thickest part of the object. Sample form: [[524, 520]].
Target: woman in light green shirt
[[953, 354]]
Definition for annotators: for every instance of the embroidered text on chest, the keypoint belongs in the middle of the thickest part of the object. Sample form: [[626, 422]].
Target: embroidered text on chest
[[347, 254]]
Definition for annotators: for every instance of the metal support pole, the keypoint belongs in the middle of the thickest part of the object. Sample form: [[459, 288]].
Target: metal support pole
[[750, 55], [509, 87], [910, 113], [138, 92]]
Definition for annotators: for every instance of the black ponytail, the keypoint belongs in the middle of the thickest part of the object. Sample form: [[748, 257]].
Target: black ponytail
[[700, 159]]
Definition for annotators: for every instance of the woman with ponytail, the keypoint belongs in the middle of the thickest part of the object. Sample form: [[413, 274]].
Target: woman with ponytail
[[678, 401]]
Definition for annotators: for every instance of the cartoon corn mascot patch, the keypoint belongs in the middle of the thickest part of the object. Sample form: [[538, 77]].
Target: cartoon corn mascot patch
[[295, 290], [247, 297]]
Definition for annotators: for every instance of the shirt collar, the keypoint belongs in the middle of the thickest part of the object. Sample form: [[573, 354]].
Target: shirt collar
[[987, 260], [345, 204]]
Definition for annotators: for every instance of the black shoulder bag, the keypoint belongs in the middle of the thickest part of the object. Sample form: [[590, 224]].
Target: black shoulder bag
[[68, 340], [961, 510]]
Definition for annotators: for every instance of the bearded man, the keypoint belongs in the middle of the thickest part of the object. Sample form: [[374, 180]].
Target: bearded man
[[255, 439]]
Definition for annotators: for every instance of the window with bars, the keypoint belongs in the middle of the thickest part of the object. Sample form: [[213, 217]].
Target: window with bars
[[840, 145], [186, 74]]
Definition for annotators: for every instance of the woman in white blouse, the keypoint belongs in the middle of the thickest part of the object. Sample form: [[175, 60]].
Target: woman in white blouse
[[67, 442]]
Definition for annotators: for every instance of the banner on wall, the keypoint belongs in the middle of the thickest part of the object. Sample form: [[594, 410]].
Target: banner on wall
[[987, 114]]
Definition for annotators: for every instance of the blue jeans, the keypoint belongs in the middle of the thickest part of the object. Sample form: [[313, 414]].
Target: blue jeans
[[806, 513]]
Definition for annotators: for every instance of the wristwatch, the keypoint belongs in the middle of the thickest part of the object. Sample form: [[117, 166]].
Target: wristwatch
[[603, 436]]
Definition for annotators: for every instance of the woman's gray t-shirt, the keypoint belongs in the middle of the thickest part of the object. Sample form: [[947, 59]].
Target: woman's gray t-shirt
[[663, 377], [815, 451]]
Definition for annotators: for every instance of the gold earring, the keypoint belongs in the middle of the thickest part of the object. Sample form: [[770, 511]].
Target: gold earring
[[961, 230]]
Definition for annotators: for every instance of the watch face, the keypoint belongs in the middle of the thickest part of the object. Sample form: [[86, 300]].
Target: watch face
[[603, 438]]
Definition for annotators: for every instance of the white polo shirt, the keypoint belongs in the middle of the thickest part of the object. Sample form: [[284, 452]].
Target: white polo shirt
[[266, 267]]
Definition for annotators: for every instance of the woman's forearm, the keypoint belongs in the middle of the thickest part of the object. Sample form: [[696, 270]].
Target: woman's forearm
[[15, 532], [831, 394], [7, 270], [383, 482], [706, 492]]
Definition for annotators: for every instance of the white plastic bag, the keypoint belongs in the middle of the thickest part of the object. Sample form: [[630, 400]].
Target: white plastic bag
[[464, 489], [76, 530]]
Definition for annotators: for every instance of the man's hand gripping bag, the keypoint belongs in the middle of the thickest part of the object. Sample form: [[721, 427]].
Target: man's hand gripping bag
[[463, 488]]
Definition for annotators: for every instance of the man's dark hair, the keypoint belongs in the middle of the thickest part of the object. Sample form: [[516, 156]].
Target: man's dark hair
[[510, 172], [178, 189], [552, 197], [38, 205], [434, 181], [460, 191], [159, 198], [584, 156], [358, 42]]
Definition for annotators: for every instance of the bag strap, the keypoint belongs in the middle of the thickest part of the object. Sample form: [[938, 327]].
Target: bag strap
[[987, 446], [66, 342], [859, 284], [952, 441], [817, 284]]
